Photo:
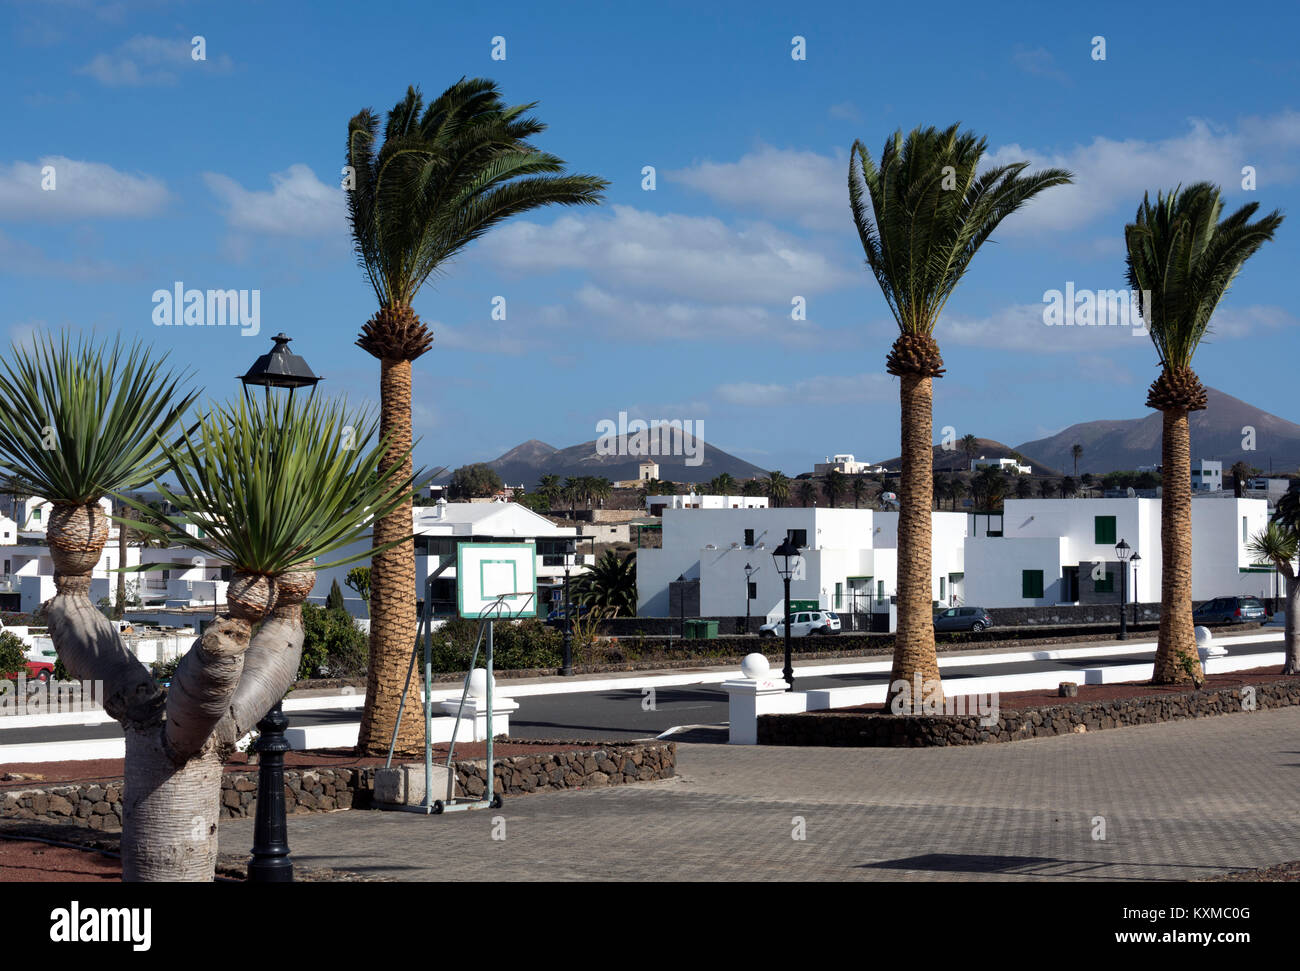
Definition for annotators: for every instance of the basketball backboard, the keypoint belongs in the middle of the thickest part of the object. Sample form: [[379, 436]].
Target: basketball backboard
[[486, 571]]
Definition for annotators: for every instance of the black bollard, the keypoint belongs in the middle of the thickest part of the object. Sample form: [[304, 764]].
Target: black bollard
[[270, 862]]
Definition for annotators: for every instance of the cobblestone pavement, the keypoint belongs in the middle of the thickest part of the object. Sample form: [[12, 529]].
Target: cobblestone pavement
[[1180, 801]]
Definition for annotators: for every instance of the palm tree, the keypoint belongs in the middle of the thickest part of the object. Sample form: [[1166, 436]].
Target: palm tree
[[778, 488], [610, 585], [549, 487], [835, 485], [921, 217], [1023, 488], [601, 488], [1076, 452], [1046, 487], [1278, 544], [970, 445], [859, 491], [956, 490], [1182, 259], [571, 493], [444, 176], [752, 487], [807, 493], [1240, 473], [940, 489]]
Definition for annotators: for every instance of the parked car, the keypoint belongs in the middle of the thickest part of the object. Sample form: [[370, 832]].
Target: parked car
[[556, 616], [963, 618], [1230, 610], [42, 671], [803, 623]]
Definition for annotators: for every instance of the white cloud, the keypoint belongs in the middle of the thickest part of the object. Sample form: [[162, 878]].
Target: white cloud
[[845, 111], [82, 190], [299, 204], [809, 188], [21, 259], [830, 390], [1038, 62], [1110, 175], [146, 60], [695, 257]]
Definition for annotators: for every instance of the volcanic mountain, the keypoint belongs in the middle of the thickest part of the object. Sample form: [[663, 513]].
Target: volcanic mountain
[[533, 459], [954, 458], [1218, 433]]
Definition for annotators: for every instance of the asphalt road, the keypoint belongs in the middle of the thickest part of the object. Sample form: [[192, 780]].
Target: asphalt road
[[626, 713]]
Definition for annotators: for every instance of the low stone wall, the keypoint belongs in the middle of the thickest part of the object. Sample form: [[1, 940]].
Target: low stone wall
[[99, 805], [876, 730]]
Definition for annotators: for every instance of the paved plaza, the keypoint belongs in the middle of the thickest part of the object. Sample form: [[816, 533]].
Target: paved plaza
[[1182, 800]]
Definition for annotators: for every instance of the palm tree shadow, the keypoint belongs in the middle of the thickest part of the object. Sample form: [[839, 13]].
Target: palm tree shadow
[[1022, 865]]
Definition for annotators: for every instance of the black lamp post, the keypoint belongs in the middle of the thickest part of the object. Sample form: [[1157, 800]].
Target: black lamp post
[[749, 572], [570, 548], [270, 863], [786, 557], [1134, 560], [1122, 553]]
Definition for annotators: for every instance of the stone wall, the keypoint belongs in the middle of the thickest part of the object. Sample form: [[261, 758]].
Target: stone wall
[[876, 730], [99, 805]]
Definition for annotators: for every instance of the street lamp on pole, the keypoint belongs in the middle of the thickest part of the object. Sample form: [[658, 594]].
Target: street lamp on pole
[[270, 863], [749, 572], [1122, 553], [786, 557], [570, 549]]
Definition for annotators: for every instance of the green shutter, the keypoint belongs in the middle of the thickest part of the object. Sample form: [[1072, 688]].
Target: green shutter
[[1104, 530], [1106, 585], [1031, 584]]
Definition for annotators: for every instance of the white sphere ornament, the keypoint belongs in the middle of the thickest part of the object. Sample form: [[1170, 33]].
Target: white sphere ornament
[[1203, 636], [754, 666], [478, 683]]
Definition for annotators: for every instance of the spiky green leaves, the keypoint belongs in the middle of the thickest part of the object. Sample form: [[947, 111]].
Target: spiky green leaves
[[1185, 259], [273, 484], [1277, 545], [923, 214], [82, 419]]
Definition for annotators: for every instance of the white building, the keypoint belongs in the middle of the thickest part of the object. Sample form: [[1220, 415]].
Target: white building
[[1003, 465], [439, 528], [1207, 476], [32, 514], [845, 463], [849, 559], [647, 471], [655, 505], [1062, 551]]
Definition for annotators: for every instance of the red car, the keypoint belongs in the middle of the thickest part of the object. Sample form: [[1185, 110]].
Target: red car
[[41, 671]]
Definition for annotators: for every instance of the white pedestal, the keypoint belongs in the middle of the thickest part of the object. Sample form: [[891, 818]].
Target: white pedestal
[[473, 720], [749, 698]]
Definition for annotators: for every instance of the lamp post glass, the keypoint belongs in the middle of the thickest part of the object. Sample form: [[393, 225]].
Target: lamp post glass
[[786, 558], [749, 573]]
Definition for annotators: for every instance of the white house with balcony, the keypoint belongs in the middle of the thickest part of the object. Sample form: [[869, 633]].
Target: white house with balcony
[[655, 505], [849, 559], [1207, 476], [846, 463], [1063, 551], [440, 528], [1001, 464]]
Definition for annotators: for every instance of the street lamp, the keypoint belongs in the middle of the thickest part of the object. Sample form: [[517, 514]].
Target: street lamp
[[1134, 560], [786, 557], [570, 548], [749, 572], [1122, 553], [270, 863]]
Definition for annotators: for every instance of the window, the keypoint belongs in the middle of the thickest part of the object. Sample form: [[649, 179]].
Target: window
[[749, 537], [753, 591], [1106, 584], [36, 514], [1031, 584], [839, 595], [1244, 536], [880, 589], [797, 536], [1103, 528], [942, 590]]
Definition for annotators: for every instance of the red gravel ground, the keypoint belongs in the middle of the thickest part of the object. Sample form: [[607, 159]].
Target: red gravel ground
[[1014, 700], [23, 861]]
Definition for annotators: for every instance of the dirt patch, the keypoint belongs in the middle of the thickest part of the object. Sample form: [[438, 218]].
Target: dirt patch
[[28, 861], [1282, 873]]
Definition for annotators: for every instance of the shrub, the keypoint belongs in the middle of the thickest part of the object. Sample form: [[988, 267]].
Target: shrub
[[164, 670], [13, 654], [332, 642], [515, 644]]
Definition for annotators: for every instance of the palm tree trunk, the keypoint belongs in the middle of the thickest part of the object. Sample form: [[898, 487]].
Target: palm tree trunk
[[914, 650], [393, 616], [1292, 640], [1176, 659]]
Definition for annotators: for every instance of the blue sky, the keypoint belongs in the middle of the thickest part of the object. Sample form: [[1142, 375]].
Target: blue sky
[[673, 303]]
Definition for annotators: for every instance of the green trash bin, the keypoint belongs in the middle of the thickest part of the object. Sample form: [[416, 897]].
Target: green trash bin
[[691, 630], [709, 629]]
